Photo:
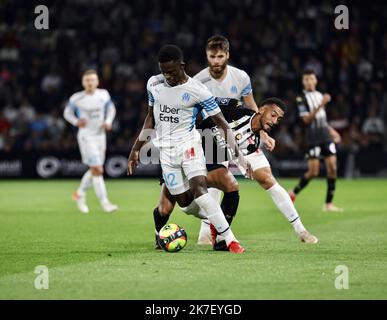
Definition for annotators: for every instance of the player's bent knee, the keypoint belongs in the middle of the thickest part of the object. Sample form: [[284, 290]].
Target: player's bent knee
[[198, 187], [231, 187], [332, 170], [332, 173], [199, 192], [267, 182], [193, 209], [97, 171], [312, 174]]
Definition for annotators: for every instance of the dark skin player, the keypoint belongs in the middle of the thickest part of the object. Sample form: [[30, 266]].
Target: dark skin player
[[267, 117], [220, 177], [174, 74]]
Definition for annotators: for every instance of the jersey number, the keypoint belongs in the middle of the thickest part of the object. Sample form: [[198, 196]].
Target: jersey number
[[170, 179]]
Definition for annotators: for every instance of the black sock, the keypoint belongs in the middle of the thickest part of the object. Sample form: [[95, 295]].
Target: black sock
[[230, 204], [331, 189], [301, 185], [160, 221]]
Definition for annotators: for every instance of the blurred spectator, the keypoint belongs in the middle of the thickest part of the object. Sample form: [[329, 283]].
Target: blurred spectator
[[51, 82], [271, 40], [374, 129], [284, 142], [5, 125]]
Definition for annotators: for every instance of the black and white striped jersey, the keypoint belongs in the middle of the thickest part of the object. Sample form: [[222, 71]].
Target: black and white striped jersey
[[241, 125], [239, 119], [317, 132]]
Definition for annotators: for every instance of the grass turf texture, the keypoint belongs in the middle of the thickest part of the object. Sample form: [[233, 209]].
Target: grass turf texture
[[111, 256]]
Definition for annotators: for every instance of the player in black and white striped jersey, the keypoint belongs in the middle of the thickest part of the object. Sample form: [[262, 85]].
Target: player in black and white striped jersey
[[246, 126], [321, 138]]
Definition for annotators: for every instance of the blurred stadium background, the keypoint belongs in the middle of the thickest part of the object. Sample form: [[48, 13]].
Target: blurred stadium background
[[272, 40], [102, 256]]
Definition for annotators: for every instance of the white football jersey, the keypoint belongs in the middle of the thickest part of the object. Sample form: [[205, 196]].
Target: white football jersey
[[96, 109], [175, 109], [235, 85]]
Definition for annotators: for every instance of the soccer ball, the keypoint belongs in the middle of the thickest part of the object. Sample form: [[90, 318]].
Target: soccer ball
[[172, 238]]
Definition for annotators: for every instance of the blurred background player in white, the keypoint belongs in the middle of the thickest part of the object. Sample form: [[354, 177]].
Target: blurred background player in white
[[225, 81], [93, 112]]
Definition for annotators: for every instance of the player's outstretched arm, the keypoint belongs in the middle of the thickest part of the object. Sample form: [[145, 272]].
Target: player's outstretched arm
[[133, 158], [312, 115], [229, 137], [268, 141], [250, 103], [226, 131]]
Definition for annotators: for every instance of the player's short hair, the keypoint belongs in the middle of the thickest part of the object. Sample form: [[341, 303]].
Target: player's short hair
[[308, 72], [278, 102], [89, 71], [218, 42], [170, 52]]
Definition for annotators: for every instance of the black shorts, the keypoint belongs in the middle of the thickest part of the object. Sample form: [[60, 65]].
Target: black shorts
[[322, 150], [214, 166]]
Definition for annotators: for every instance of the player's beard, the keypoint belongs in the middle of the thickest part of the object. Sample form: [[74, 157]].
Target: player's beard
[[217, 71], [263, 126]]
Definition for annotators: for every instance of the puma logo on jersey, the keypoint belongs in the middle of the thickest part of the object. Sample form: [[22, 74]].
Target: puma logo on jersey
[[190, 153]]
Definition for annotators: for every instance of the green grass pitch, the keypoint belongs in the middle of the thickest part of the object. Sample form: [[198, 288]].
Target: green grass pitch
[[111, 256]]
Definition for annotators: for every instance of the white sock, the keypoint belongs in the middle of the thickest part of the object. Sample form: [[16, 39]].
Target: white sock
[[100, 188], [205, 225], [215, 193], [283, 202], [215, 215], [86, 183], [193, 209]]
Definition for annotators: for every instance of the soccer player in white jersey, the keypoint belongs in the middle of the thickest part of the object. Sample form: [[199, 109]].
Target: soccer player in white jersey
[[219, 178], [225, 81], [222, 79], [174, 102], [93, 112]]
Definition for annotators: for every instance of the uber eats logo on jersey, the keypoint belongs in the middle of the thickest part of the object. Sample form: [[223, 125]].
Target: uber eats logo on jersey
[[167, 114], [94, 113]]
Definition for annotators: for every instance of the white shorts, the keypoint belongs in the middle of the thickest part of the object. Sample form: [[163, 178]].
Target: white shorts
[[93, 149], [257, 160], [180, 164]]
